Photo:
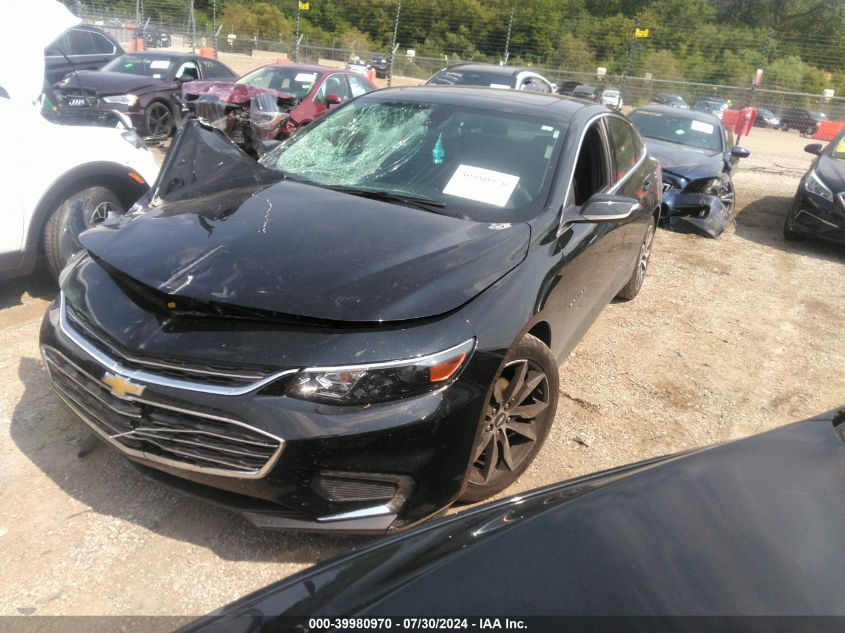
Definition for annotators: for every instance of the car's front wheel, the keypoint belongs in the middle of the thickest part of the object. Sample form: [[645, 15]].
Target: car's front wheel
[[519, 412], [78, 212], [159, 120]]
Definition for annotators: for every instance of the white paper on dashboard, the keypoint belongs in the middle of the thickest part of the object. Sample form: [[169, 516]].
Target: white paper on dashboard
[[482, 185], [159, 63], [500, 86], [305, 77], [700, 126]]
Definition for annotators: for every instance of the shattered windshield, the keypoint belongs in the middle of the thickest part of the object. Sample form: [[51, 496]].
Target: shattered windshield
[[474, 163], [146, 65], [678, 129], [288, 80]]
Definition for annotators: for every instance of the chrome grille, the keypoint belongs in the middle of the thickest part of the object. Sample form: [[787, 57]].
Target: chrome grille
[[215, 373], [161, 433]]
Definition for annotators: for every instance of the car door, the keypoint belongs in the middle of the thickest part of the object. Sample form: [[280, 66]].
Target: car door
[[591, 252], [85, 52], [633, 177]]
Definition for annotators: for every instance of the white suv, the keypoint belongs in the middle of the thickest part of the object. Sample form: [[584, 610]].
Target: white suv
[[56, 180]]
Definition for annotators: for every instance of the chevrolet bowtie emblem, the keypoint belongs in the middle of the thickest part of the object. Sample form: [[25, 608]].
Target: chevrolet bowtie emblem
[[122, 387]]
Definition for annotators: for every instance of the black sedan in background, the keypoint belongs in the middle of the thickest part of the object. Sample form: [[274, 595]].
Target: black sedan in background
[[145, 86], [697, 156], [365, 325], [749, 528], [673, 100], [818, 209], [801, 119], [79, 48], [766, 118], [492, 76]]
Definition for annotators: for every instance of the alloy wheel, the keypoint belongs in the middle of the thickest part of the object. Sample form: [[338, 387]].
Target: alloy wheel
[[725, 191], [510, 430], [159, 120], [645, 253], [102, 212]]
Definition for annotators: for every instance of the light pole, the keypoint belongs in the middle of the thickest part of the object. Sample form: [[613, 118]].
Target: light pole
[[508, 38], [395, 45], [296, 49]]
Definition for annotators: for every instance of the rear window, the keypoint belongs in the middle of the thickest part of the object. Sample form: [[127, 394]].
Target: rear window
[[459, 77]]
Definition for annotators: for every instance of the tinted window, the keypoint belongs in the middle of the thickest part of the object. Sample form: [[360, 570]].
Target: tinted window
[[101, 44], [624, 148], [188, 68], [535, 84], [590, 175], [146, 65], [357, 85], [461, 77], [59, 46], [81, 42]]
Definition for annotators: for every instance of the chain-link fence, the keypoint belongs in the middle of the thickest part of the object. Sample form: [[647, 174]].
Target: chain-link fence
[[786, 60]]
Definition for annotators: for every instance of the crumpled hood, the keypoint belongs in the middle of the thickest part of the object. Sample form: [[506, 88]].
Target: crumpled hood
[[111, 83], [687, 162], [231, 92], [303, 250]]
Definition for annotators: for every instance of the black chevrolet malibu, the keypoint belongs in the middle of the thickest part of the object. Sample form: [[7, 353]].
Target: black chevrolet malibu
[[365, 326], [818, 209]]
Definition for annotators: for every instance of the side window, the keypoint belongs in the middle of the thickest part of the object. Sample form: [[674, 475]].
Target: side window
[[535, 84], [623, 146], [213, 70], [333, 85], [188, 68], [222, 71], [59, 46], [590, 175], [80, 42], [101, 45], [358, 86]]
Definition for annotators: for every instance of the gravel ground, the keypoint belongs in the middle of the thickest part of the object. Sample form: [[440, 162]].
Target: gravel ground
[[729, 337]]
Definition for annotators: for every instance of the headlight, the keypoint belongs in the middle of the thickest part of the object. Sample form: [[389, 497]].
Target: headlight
[[131, 136], [378, 382], [128, 100], [813, 184]]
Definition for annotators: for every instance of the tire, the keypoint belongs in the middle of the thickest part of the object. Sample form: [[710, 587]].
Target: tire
[[725, 192], [790, 234], [78, 212], [509, 440], [635, 283], [784, 127], [159, 120]]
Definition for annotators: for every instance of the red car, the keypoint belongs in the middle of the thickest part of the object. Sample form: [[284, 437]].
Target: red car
[[271, 102]]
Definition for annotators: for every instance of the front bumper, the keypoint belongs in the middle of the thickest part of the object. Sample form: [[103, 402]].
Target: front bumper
[[816, 217], [279, 461], [697, 213]]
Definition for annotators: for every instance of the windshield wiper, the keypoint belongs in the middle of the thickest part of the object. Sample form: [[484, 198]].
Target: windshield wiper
[[426, 204]]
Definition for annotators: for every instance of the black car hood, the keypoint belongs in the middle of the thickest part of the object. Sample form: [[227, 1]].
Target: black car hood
[[686, 162], [752, 527], [109, 83], [298, 249], [832, 172]]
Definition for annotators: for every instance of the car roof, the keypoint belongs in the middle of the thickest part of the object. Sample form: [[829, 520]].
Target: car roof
[[679, 113], [495, 69], [534, 104]]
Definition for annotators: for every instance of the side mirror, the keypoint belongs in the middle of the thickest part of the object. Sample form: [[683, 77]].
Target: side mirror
[[813, 148], [740, 152], [333, 99], [606, 208], [183, 79]]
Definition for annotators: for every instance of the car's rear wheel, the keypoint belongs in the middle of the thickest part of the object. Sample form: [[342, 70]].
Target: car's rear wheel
[[519, 412], [635, 283], [159, 120], [78, 212]]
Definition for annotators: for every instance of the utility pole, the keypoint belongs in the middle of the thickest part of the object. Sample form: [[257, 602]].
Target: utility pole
[[192, 26], [628, 60], [296, 49], [214, 27], [764, 51], [508, 38], [395, 45]]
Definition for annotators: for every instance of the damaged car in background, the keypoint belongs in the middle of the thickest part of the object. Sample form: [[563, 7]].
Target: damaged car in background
[[270, 103], [697, 156], [364, 326]]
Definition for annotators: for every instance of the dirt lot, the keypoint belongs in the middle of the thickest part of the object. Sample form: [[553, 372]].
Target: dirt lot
[[729, 337]]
